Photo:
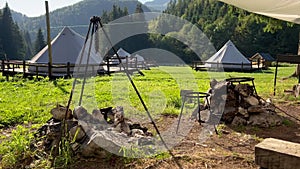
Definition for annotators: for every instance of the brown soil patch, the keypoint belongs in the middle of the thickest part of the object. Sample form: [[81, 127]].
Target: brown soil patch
[[232, 148]]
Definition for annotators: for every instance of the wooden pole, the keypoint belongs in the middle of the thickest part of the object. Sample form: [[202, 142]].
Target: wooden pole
[[48, 39], [275, 78], [24, 69], [3, 66], [298, 54], [108, 68]]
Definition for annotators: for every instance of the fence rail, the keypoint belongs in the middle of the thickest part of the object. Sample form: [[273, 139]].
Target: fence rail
[[198, 65], [28, 69]]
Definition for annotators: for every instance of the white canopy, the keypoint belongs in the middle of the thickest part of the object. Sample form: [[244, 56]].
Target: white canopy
[[229, 57], [287, 10]]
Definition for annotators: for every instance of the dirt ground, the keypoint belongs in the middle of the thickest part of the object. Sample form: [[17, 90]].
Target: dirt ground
[[233, 148]]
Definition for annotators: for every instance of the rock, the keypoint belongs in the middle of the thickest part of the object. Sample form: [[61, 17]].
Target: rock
[[253, 101], [96, 113], [229, 114], [108, 114], [119, 121], [239, 121], [81, 114], [257, 109], [265, 120], [77, 133], [243, 112], [296, 90], [60, 113], [244, 89]]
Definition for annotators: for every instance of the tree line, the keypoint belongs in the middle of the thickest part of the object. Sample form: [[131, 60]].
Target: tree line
[[16, 44], [220, 22], [251, 33]]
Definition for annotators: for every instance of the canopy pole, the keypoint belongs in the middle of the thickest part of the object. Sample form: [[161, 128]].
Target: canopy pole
[[48, 40], [275, 77]]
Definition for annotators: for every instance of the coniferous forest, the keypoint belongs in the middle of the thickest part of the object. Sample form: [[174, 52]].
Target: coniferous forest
[[12, 41], [251, 33]]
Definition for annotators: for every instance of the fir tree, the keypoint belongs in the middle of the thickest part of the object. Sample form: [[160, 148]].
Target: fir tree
[[28, 45], [39, 42], [12, 40]]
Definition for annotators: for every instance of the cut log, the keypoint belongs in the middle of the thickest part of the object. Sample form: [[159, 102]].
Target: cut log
[[277, 154]]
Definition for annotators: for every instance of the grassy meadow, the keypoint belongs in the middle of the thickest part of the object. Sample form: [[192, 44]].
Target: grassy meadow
[[25, 104]]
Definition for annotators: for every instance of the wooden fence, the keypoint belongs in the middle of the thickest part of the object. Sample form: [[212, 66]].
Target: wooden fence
[[198, 65], [28, 69]]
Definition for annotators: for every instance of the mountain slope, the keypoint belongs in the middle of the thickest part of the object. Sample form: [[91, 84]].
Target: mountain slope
[[77, 16], [157, 5]]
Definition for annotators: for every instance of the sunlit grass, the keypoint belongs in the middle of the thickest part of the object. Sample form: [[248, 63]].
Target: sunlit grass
[[25, 102]]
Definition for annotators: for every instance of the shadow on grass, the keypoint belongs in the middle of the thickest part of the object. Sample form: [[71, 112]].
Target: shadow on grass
[[65, 91]]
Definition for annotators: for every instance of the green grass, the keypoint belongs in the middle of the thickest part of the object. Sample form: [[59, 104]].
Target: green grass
[[26, 102]]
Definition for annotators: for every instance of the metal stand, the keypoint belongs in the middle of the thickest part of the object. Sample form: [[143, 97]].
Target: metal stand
[[194, 95], [95, 24], [240, 80]]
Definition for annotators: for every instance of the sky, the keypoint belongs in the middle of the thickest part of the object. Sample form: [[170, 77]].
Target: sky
[[33, 8]]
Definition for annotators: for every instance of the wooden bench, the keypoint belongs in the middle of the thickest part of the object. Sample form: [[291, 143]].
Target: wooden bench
[[277, 154]]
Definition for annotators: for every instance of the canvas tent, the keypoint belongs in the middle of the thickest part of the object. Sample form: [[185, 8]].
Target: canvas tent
[[122, 54], [228, 57], [66, 47], [139, 58]]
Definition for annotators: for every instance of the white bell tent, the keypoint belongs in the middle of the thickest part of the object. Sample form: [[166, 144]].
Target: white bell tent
[[228, 57]]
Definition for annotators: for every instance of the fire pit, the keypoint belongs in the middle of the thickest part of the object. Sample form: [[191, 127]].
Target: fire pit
[[95, 134], [242, 105]]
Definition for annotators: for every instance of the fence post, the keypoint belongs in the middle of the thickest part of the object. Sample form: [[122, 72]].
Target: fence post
[[49, 70], [2, 66], [107, 65], [13, 69], [68, 70], [24, 69], [127, 62], [37, 71], [242, 66]]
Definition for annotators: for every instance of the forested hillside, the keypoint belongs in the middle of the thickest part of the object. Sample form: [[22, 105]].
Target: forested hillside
[[250, 32], [14, 43], [21, 37], [77, 16]]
